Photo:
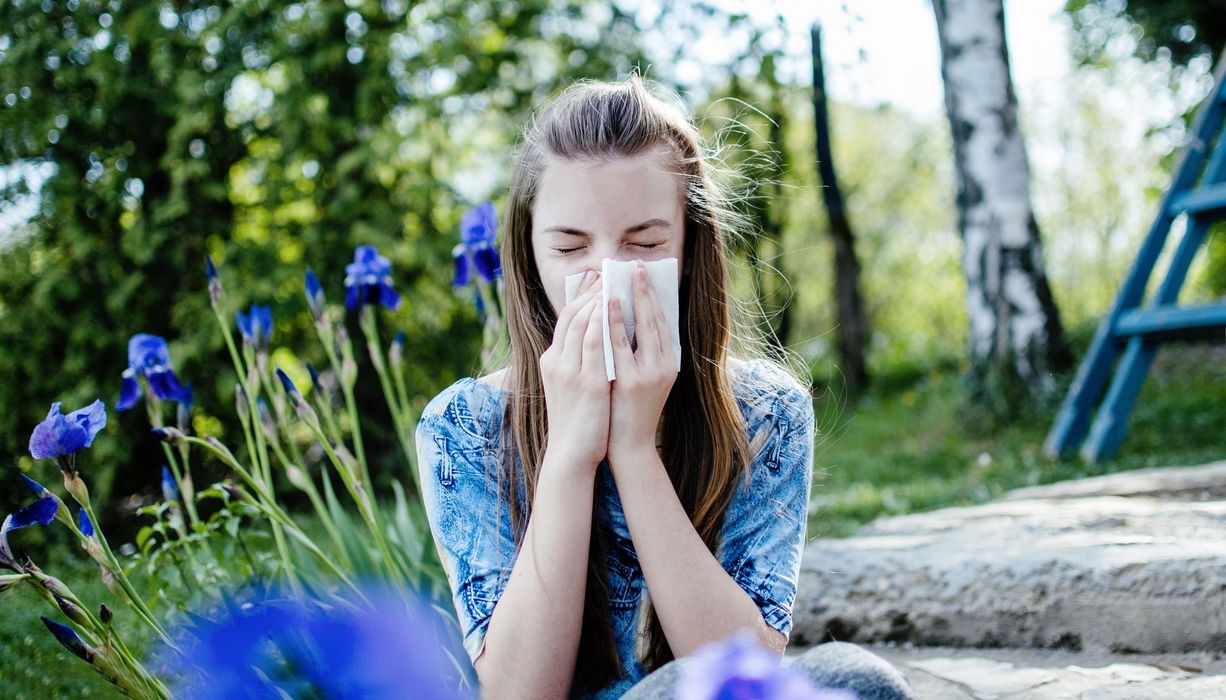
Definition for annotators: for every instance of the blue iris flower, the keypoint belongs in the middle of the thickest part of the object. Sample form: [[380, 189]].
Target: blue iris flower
[[478, 231], [41, 511], [314, 294], [59, 435], [170, 491], [368, 280], [256, 326], [148, 356], [738, 668], [302, 649]]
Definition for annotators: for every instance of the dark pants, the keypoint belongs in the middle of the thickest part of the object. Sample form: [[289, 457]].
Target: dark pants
[[831, 665]]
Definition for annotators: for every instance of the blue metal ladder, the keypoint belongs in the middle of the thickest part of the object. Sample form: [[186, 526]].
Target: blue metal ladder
[[1132, 332]]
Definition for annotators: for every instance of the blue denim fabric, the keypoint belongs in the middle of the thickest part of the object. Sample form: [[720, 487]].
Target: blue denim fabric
[[764, 525]]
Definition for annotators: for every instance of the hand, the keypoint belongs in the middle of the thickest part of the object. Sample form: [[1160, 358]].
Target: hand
[[576, 385], [645, 375]]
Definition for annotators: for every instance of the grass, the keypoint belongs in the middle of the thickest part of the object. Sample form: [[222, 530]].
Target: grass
[[908, 445]]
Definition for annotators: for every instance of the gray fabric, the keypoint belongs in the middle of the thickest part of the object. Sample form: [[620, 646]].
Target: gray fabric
[[832, 665]]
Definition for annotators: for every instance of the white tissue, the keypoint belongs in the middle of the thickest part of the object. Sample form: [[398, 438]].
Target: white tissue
[[616, 278]]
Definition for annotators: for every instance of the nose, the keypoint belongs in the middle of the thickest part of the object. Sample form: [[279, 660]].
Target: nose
[[616, 251]]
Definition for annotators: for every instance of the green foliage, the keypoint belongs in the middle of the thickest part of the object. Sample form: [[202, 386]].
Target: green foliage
[[1179, 29], [273, 136]]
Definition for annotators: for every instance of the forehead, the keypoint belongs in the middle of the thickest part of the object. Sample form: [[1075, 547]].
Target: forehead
[[605, 194]]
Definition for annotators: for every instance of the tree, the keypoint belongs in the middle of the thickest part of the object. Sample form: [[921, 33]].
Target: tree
[[853, 325], [1015, 334]]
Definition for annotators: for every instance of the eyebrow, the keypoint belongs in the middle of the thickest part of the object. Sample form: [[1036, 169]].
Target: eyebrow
[[650, 223]]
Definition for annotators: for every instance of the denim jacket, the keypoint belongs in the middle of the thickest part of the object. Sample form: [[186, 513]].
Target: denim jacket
[[762, 536]]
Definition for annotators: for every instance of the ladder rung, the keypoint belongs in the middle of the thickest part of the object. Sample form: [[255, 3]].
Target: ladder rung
[[1158, 319], [1202, 200]]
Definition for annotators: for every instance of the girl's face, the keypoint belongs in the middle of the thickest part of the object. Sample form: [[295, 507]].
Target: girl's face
[[586, 211]]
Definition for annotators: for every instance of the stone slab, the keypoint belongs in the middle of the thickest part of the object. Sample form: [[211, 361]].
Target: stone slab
[[1203, 482], [1126, 574], [1029, 674]]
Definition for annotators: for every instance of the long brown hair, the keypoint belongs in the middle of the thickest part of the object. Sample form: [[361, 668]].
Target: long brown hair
[[705, 447]]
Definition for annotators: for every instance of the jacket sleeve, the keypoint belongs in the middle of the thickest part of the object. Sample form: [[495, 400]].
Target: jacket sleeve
[[470, 524], [765, 524]]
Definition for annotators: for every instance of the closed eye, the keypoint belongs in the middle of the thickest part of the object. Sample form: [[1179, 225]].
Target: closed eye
[[646, 246]]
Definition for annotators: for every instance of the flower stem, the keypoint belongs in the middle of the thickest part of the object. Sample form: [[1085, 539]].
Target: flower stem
[[274, 511]]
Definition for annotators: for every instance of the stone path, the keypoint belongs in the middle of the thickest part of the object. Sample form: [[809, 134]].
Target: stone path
[[1098, 589]]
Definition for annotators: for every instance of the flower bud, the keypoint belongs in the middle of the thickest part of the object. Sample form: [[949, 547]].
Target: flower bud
[[172, 436], [76, 488], [71, 610], [396, 354], [297, 477], [266, 421], [216, 292], [71, 641], [236, 492], [105, 614], [314, 294], [240, 402]]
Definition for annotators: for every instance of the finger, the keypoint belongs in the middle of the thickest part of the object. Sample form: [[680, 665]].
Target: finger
[[572, 346], [593, 347], [623, 357], [665, 329], [644, 316], [568, 312]]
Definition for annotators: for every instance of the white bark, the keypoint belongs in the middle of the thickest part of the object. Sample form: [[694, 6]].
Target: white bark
[[1009, 304]]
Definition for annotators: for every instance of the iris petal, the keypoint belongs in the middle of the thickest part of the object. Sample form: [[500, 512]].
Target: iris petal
[[170, 491], [145, 351], [41, 511], [461, 266], [57, 436], [33, 485], [244, 325], [164, 384], [92, 418], [479, 225], [129, 391], [387, 296], [84, 524], [486, 260]]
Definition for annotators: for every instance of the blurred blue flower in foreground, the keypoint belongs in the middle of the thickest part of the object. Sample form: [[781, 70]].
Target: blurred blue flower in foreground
[[342, 649], [59, 435], [368, 280], [738, 668], [256, 326], [149, 357], [478, 231]]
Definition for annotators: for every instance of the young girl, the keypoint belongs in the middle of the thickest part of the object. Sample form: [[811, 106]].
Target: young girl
[[594, 530]]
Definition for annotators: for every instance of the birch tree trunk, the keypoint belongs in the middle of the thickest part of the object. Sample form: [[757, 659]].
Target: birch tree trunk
[[1015, 335]]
